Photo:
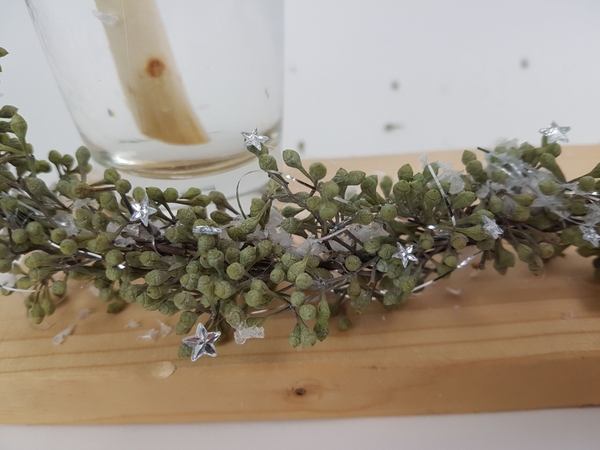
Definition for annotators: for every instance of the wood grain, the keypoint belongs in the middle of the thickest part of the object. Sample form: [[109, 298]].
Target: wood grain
[[504, 343]]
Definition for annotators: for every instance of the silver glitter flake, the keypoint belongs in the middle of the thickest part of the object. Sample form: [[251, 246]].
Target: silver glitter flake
[[590, 235], [142, 211], [202, 343], [66, 221], [242, 334], [405, 254], [254, 139], [205, 229], [555, 133], [491, 228]]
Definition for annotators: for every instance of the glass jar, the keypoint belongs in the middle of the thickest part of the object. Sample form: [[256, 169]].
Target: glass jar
[[163, 88]]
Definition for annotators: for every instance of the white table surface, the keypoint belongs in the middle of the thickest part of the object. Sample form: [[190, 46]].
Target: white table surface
[[460, 66]]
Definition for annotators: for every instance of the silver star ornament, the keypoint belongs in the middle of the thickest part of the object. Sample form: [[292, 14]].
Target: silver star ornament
[[142, 210], [254, 139], [405, 254], [555, 133], [202, 343]]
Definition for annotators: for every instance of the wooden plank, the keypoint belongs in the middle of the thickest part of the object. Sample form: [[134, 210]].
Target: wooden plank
[[505, 343]]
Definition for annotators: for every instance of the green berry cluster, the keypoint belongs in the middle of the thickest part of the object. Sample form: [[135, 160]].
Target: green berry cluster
[[345, 228]]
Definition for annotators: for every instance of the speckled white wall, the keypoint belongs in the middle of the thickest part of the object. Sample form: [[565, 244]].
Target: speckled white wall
[[390, 76], [468, 73]]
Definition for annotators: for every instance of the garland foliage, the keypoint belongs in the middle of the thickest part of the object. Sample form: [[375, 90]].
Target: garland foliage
[[312, 246]]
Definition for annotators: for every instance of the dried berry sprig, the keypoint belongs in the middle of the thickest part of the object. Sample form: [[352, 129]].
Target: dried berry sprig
[[312, 246]]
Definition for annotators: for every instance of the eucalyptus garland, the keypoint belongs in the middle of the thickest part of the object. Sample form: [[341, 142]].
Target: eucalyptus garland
[[313, 246]]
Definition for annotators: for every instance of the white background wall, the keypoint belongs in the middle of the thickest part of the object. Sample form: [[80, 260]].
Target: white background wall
[[469, 73]]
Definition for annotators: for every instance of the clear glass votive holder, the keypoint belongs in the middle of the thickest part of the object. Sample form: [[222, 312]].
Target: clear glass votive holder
[[162, 89]]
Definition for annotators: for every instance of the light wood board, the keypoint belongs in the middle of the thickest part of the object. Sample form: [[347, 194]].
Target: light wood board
[[504, 343]]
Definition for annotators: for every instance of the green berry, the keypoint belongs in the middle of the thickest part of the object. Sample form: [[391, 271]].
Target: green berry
[[123, 186], [344, 323], [524, 252], [113, 273], [292, 159], [407, 284], [304, 281], [405, 172], [20, 236], [450, 258], [171, 194], [6, 264], [254, 298], [36, 314], [58, 235], [323, 311], [277, 275], [587, 183], [297, 298], [185, 301], [388, 212], [215, 258], [372, 246], [291, 225], [426, 241], [307, 312], [432, 198], [114, 257], [520, 213], [499, 176], [59, 288], [9, 203], [264, 247], [317, 171], [236, 271], [267, 163], [362, 304], [363, 217], [546, 250], [328, 210], [463, 200], [68, 247], [116, 307], [206, 242], [187, 320], [313, 203], [355, 177], [353, 263], [524, 199], [82, 155], [248, 256], [387, 250], [401, 189], [468, 156], [112, 175], [458, 241], [495, 204], [308, 337], [224, 289], [156, 277], [329, 189], [294, 338], [474, 167]]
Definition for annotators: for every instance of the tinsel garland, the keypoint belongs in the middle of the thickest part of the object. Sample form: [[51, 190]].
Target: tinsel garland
[[312, 246]]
